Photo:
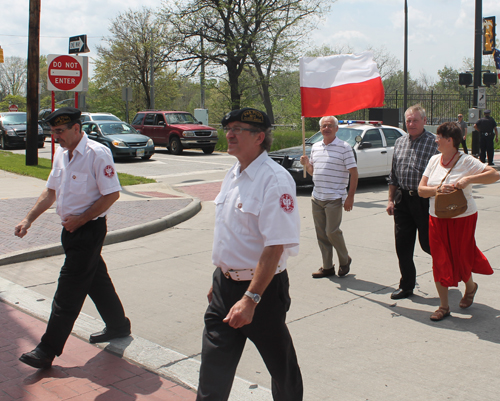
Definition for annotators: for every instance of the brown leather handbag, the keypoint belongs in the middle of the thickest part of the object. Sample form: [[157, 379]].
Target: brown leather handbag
[[452, 204]]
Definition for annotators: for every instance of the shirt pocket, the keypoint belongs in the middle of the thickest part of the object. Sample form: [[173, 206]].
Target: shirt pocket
[[246, 214], [78, 183]]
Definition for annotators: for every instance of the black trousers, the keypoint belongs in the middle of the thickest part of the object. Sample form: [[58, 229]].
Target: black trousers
[[411, 215], [83, 273], [486, 147], [464, 146], [223, 345]]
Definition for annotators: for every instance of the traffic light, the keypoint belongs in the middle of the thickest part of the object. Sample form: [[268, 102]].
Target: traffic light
[[489, 78], [488, 35], [465, 79], [1, 54]]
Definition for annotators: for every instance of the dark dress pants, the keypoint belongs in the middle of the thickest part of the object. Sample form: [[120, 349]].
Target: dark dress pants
[[486, 148], [411, 215], [83, 273], [223, 345], [464, 146]]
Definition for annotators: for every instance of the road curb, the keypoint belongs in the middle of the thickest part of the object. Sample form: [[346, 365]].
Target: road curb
[[113, 237]]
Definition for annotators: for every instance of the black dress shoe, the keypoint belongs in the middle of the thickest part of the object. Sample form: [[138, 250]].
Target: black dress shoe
[[108, 335], [37, 359], [400, 294]]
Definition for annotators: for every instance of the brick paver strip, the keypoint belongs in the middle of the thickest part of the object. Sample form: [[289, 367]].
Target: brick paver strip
[[47, 228], [83, 372], [204, 192]]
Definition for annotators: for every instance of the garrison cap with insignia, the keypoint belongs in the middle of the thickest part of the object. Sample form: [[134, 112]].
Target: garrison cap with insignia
[[64, 115], [487, 111], [249, 116]]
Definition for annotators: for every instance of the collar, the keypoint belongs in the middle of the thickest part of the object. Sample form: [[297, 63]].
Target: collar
[[253, 167], [80, 148], [331, 143]]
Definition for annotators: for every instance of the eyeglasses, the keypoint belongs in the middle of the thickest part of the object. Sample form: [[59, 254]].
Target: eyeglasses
[[239, 130], [327, 126], [58, 131]]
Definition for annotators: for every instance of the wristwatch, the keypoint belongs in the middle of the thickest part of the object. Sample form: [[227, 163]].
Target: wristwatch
[[254, 297]]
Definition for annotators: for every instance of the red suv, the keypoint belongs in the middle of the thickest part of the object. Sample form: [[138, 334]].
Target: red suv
[[177, 130]]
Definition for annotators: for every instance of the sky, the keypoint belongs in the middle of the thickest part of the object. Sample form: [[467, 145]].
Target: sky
[[440, 32]]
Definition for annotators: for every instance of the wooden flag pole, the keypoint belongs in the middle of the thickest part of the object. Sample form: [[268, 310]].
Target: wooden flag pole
[[304, 142]]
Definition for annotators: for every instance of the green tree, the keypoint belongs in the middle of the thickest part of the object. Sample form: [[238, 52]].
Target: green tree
[[235, 34], [140, 45], [13, 76]]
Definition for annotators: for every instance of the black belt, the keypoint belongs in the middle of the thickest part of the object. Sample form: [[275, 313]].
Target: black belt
[[410, 192], [487, 133]]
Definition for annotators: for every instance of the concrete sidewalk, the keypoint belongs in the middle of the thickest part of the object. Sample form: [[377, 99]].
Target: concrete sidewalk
[[353, 342], [84, 371]]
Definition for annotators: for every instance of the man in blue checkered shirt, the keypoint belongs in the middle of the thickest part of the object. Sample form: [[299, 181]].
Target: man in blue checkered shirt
[[411, 212]]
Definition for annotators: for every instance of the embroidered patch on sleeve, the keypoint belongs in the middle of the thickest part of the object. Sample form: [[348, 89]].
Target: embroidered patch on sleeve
[[286, 203], [109, 171]]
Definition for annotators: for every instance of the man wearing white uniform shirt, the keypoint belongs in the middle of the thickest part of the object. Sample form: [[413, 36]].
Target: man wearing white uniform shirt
[[257, 227], [84, 183]]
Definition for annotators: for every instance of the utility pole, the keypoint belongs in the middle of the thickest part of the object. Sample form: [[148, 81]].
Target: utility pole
[[202, 74], [32, 87]]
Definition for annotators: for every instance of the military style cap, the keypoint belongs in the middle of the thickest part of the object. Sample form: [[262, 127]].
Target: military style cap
[[487, 111], [249, 116], [64, 115]]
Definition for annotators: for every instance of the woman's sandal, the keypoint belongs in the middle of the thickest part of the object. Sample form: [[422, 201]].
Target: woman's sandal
[[468, 298], [440, 314]]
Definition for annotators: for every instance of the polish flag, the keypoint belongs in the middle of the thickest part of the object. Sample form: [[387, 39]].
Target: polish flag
[[339, 84]]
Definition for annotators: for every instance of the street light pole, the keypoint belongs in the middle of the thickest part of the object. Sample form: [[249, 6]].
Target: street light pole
[[478, 57]]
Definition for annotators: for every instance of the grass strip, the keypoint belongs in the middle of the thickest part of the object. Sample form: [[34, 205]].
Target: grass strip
[[16, 163]]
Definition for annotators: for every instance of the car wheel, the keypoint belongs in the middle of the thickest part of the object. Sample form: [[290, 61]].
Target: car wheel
[[175, 146], [146, 157], [209, 151]]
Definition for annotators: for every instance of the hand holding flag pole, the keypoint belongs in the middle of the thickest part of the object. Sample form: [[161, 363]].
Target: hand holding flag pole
[[304, 143]]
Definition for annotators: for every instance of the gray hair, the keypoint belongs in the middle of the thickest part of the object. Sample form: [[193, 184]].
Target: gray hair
[[335, 121], [268, 139], [416, 108]]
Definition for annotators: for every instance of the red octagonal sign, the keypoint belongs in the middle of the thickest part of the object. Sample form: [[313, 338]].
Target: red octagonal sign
[[65, 73]]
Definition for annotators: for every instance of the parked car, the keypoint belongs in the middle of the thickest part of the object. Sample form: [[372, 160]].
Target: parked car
[[121, 138], [372, 143], [42, 115], [177, 130], [98, 117], [13, 130]]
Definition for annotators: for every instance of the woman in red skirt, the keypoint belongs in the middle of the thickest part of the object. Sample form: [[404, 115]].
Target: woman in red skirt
[[455, 255]]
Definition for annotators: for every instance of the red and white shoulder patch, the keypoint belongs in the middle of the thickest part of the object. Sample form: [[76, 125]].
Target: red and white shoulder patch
[[286, 203], [109, 171]]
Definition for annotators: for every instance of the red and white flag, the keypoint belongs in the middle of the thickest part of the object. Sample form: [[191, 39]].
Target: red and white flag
[[339, 84]]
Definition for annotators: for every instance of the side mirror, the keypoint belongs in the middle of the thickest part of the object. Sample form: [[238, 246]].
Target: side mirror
[[161, 122], [365, 145]]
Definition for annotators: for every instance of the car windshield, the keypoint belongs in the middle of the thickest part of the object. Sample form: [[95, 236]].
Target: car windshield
[[346, 134], [104, 117], [349, 135], [116, 128], [180, 118], [14, 119]]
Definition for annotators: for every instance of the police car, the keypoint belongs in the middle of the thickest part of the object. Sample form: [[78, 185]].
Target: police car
[[372, 143]]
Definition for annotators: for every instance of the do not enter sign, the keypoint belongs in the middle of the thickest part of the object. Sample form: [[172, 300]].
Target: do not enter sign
[[67, 73]]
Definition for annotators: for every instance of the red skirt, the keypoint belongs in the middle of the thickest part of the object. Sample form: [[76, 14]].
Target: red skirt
[[454, 252]]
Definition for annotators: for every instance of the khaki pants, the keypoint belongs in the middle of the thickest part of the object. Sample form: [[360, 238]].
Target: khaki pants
[[327, 217]]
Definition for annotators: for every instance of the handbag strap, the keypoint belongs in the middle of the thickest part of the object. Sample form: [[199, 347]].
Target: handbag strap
[[449, 171]]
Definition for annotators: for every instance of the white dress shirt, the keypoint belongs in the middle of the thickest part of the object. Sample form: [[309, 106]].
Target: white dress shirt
[[80, 182], [254, 209]]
